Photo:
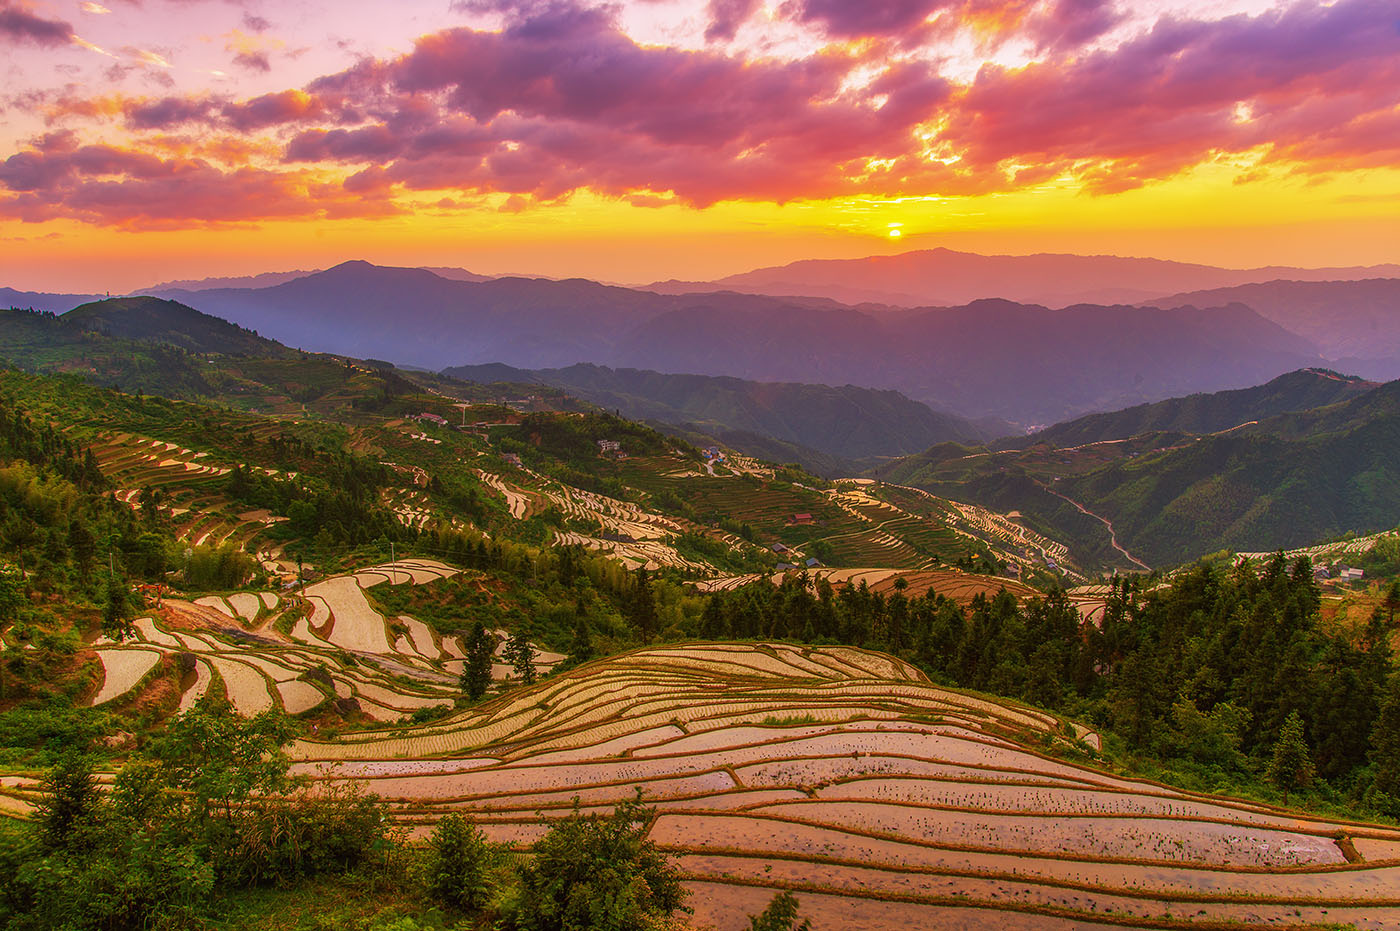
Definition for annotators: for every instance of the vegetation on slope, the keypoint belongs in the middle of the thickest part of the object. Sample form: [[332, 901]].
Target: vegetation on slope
[[1198, 414], [1283, 482], [847, 423]]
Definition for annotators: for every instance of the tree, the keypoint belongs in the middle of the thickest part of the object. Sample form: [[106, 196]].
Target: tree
[[117, 613], [11, 596], [521, 655], [642, 607], [1385, 743], [1291, 767], [458, 864], [596, 873], [476, 671], [581, 649], [69, 801], [780, 915]]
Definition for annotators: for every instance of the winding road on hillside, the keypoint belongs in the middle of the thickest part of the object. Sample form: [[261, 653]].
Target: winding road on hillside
[[1112, 535]]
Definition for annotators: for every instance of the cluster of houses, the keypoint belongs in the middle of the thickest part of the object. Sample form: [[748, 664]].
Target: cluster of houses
[[782, 549], [1338, 573], [611, 449]]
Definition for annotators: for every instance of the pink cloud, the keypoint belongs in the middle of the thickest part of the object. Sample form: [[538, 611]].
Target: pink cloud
[[18, 25], [561, 100]]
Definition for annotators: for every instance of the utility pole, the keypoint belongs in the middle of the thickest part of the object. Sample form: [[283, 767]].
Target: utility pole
[[393, 569]]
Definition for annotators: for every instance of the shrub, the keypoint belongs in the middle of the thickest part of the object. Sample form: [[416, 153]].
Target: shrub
[[596, 873], [458, 864], [780, 915]]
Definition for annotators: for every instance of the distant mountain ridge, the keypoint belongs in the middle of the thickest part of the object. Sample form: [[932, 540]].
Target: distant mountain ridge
[[1356, 323], [45, 302], [1302, 390], [845, 423], [1021, 363], [945, 276], [272, 279]]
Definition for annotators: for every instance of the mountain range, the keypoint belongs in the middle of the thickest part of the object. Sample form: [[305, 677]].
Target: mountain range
[[944, 276], [1021, 363], [1354, 323], [840, 424], [1200, 414], [1305, 456]]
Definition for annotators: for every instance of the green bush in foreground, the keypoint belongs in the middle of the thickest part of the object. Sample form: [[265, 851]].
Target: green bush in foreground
[[780, 915], [595, 873], [457, 866], [211, 809]]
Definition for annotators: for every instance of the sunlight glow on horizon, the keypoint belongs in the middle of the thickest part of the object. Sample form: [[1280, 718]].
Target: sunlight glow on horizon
[[653, 142]]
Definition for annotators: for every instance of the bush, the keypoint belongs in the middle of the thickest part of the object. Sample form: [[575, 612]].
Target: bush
[[458, 864], [212, 808], [780, 915], [595, 873]]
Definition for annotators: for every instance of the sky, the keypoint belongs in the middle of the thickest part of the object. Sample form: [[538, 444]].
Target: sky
[[147, 140]]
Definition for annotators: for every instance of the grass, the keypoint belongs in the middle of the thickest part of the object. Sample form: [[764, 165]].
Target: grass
[[358, 901]]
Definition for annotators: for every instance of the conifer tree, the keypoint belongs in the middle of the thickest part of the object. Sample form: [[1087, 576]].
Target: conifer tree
[[581, 650], [476, 671], [521, 655], [1291, 767], [1385, 742], [643, 607], [116, 611]]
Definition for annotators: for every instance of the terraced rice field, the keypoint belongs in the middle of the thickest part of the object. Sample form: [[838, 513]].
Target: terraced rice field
[[881, 800], [639, 537], [950, 583], [944, 526], [238, 650], [1331, 551], [189, 483]]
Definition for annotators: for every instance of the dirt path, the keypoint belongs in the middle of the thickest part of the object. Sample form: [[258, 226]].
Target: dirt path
[[1112, 536]]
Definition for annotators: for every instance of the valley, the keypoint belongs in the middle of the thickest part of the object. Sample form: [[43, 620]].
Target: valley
[[1038, 679]]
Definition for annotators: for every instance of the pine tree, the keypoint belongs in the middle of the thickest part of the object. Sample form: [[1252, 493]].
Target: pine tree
[[581, 650], [1291, 767], [521, 655], [643, 607], [476, 671], [1385, 742], [116, 611]]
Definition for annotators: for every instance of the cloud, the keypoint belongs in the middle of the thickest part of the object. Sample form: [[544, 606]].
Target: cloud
[[96, 8], [253, 61], [19, 26], [560, 100], [1169, 98], [113, 186], [726, 16]]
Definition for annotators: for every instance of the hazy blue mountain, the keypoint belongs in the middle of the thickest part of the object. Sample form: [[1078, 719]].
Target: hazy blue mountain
[[49, 303], [846, 422], [946, 276], [1354, 323], [1022, 363]]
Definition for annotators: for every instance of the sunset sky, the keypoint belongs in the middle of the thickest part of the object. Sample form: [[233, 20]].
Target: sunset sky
[[143, 140]]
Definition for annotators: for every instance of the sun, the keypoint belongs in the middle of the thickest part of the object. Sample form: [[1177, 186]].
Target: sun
[[895, 232]]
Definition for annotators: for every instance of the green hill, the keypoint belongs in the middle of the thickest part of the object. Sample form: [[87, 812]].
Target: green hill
[[1205, 413], [153, 320], [1285, 481]]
